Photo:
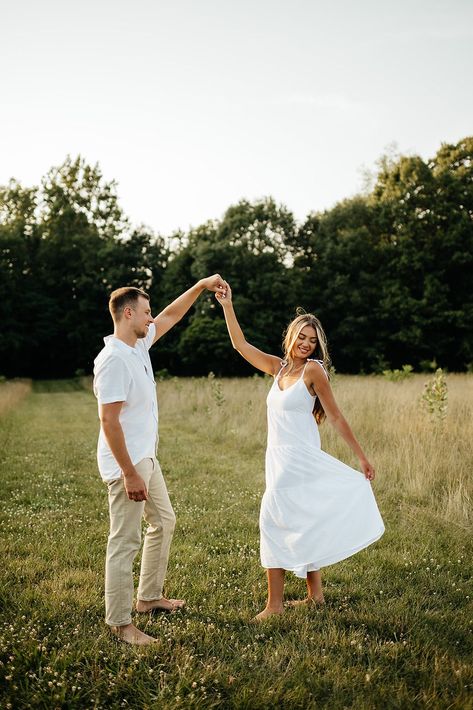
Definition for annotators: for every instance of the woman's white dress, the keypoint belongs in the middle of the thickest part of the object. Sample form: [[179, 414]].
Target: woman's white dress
[[315, 510]]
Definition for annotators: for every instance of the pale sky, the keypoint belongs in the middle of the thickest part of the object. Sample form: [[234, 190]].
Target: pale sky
[[194, 105]]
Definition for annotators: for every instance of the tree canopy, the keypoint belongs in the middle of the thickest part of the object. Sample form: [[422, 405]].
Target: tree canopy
[[387, 271]]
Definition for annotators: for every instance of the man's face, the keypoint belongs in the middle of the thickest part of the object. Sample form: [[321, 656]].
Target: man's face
[[141, 317]]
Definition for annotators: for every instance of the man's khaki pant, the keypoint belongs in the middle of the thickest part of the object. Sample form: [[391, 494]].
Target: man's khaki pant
[[125, 539]]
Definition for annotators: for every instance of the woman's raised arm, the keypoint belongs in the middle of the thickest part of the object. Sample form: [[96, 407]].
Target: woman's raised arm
[[270, 364]]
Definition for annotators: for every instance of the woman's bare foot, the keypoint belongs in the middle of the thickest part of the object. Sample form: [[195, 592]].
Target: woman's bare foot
[[308, 601], [130, 634], [266, 613], [163, 604]]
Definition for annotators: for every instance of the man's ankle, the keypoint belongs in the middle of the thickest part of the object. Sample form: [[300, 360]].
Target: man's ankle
[[275, 608], [121, 628]]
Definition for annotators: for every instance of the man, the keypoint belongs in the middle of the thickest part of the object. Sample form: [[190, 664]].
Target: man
[[128, 411]]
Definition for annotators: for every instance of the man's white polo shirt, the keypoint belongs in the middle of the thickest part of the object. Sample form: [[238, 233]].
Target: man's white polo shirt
[[124, 374]]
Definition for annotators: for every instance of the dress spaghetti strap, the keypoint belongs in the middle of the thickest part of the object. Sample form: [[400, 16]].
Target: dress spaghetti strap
[[283, 365]]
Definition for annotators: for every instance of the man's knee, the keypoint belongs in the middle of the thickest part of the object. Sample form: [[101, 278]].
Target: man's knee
[[171, 523], [124, 540], [164, 524]]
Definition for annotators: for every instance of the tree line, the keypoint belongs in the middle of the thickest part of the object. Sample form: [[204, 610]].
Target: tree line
[[388, 271]]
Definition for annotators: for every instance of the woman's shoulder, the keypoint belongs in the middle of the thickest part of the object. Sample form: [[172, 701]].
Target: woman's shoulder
[[316, 367], [279, 367]]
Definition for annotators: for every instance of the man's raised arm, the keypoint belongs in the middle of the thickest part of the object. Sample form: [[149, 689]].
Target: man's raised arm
[[173, 313]]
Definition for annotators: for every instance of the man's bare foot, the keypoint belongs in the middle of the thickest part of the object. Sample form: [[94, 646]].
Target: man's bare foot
[[266, 613], [308, 601], [163, 604], [130, 634]]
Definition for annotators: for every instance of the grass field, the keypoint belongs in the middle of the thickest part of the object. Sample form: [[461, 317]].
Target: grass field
[[396, 631]]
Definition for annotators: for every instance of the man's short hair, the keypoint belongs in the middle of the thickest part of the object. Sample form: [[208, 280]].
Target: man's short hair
[[122, 297]]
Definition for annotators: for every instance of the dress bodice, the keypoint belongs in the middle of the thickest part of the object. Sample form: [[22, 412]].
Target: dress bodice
[[290, 418]]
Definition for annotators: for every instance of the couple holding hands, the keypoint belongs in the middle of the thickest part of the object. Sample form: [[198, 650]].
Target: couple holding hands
[[315, 510]]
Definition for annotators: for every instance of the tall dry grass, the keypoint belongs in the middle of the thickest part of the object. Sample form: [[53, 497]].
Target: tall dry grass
[[417, 458], [12, 392], [393, 634]]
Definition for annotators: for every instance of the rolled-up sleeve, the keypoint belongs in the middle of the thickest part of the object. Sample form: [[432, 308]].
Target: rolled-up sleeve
[[112, 381]]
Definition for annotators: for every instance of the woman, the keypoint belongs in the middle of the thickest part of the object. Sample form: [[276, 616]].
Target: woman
[[315, 510]]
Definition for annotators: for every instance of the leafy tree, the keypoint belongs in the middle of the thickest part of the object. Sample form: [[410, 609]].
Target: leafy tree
[[425, 212], [388, 272], [340, 281], [248, 248], [20, 241], [67, 258]]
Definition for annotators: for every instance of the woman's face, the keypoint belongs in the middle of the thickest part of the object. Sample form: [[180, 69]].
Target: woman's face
[[305, 343]]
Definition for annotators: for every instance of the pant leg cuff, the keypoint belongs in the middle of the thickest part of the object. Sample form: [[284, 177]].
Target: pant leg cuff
[[118, 623]]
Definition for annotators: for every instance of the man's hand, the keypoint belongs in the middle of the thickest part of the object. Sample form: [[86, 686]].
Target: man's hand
[[173, 313], [135, 487], [214, 283]]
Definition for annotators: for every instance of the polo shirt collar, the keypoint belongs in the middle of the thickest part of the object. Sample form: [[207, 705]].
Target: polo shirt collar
[[114, 342]]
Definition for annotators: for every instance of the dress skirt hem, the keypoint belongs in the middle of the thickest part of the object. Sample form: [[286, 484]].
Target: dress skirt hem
[[300, 570]]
